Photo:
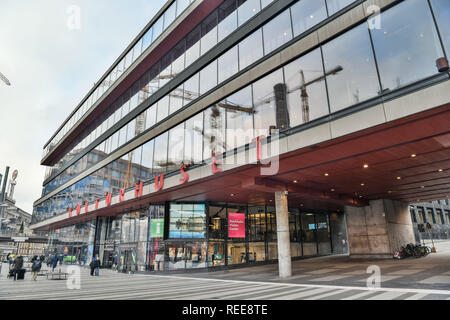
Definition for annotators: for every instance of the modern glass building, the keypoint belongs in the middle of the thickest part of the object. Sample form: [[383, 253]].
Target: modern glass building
[[173, 160]]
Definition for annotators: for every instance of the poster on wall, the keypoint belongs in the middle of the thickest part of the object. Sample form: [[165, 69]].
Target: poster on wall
[[157, 228], [236, 225]]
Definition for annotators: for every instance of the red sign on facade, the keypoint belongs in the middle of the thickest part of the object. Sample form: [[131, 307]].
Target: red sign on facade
[[236, 225]]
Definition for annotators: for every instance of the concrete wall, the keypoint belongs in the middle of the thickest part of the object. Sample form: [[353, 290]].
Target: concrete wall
[[379, 229], [339, 238]]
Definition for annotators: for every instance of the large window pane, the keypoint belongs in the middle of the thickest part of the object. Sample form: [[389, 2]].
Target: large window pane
[[214, 131], [309, 237], [193, 140], [336, 5], [442, 13], [306, 92], [208, 77], [147, 160], [191, 89], [239, 109], [163, 108], [193, 46], [160, 154], [307, 13], [227, 19], [228, 64], [176, 99], [250, 49], [277, 32], [247, 9], [169, 15], [157, 28], [264, 102], [407, 45], [150, 117], [176, 143], [209, 33], [350, 68]]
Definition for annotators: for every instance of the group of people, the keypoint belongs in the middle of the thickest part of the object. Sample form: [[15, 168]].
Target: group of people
[[17, 263]]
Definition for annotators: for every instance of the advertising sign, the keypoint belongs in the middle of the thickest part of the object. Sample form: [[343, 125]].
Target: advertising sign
[[236, 225], [157, 228]]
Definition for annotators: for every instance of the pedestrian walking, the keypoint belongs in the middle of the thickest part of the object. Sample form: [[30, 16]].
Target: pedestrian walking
[[35, 268], [55, 260], [17, 267], [95, 265]]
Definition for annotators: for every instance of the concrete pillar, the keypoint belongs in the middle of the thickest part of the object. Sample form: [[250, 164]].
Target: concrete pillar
[[284, 243], [379, 229]]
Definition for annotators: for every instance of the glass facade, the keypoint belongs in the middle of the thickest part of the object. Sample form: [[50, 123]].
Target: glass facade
[[197, 236], [349, 69]]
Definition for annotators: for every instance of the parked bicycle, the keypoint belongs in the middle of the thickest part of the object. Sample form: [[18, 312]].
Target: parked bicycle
[[412, 250]]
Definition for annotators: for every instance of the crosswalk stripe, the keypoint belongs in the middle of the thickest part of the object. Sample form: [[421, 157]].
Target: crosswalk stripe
[[359, 295], [327, 294], [417, 296], [387, 296], [304, 294]]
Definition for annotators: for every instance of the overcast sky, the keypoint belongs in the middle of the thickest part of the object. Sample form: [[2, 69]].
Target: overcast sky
[[51, 67]]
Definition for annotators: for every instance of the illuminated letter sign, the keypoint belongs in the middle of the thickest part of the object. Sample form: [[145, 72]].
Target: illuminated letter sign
[[184, 174], [236, 225], [122, 195], [108, 199], [138, 189], [159, 182], [215, 162]]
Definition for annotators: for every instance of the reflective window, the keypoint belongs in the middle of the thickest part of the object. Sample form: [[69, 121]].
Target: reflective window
[[214, 131], [228, 64], [157, 28], [240, 111], [178, 56], [176, 150], [160, 154], [336, 5], [227, 19], [442, 13], [209, 33], [208, 77], [250, 49], [407, 45], [247, 9], [307, 13], [147, 160], [306, 91], [193, 140], [150, 117], [193, 46], [277, 32], [163, 109], [264, 102], [182, 5], [309, 237], [191, 89], [123, 136], [350, 68], [169, 15], [176, 99]]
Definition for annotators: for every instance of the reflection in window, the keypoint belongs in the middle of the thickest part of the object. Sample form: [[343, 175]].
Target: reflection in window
[[277, 32], [309, 234], [228, 64], [191, 89], [306, 92], [176, 99], [214, 131], [227, 19], [209, 33], [441, 11], [247, 9], [407, 45], [160, 154], [265, 102], [208, 77], [193, 140], [193, 46], [240, 111], [350, 68], [250, 49], [147, 160], [150, 117], [307, 13], [336, 5], [163, 109], [176, 142]]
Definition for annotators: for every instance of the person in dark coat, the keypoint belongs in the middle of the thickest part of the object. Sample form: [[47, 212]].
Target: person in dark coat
[[42, 258], [17, 266], [36, 267], [55, 261], [95, 264]]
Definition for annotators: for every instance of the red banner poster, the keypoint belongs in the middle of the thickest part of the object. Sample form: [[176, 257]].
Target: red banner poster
[[236, 225]]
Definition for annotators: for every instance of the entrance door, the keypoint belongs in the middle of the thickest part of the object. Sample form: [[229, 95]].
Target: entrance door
[[128, 262]]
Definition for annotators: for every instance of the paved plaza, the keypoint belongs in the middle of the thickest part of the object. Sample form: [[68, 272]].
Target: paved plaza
[[324, 278]]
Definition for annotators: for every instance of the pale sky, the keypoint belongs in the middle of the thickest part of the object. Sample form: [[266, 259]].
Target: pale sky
[[51, 67]]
